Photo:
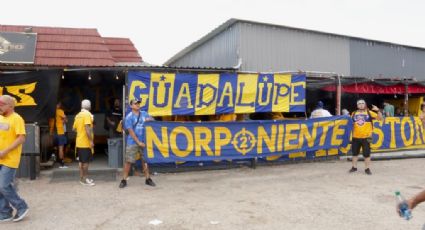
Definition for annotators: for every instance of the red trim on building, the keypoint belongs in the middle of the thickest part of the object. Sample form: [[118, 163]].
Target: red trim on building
[[371, 88]]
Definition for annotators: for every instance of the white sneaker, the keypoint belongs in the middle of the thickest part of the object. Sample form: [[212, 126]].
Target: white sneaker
[[90, 180], [87, 182], [63, 167]]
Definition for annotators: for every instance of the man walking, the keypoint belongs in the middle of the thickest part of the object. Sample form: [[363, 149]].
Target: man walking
[[133, 124], [12, 136], [58, 130], [362, 133], [83, 125]]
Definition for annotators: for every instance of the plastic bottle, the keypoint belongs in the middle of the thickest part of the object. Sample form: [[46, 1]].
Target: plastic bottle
[[53, 157], [403, 207]]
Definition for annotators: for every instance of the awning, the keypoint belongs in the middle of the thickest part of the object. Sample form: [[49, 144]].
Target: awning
[[373, 88]]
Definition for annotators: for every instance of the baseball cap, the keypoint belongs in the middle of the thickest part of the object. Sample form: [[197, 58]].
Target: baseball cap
[[134, 101]]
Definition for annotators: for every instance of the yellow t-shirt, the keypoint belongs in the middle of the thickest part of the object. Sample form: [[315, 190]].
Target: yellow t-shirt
[[363, 124], [82, 119], [10, 128], [60, 116]]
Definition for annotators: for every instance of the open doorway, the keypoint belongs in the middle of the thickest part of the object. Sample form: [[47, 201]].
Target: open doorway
[[104, 90]]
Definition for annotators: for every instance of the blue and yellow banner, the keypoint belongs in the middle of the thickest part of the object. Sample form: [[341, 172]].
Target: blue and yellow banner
[[397, 133], [165, 94], [193, 141]]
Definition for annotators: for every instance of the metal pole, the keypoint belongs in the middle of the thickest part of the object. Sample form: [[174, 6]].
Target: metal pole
[[406, 98], [124, 105], [338, 96]]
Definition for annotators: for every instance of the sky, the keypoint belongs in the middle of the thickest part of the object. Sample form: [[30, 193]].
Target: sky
[[161, 28]]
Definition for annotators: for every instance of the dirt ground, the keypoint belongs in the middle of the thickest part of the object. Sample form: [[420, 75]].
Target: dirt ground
[[298, 196]]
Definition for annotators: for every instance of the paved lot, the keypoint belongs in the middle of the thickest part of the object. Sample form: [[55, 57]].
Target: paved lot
[[299, 196]]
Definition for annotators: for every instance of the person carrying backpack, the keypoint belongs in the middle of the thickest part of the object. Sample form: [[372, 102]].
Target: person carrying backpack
[[362, 133]]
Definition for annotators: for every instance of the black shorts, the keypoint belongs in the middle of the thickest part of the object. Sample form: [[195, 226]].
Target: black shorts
[[84, 155], [362, 143]]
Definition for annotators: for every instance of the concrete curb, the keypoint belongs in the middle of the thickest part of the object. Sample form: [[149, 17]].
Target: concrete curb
[[405, 154]]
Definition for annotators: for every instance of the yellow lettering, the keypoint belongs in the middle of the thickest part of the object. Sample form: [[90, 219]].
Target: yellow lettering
[[24, 98], [378, 131], [291, 136], [338, 132], [184, 93], [269, 140], [189, 140], [419, 131], [304, 133], [280, 134], [407, 142], [332, 152], [227, 92], [260, 93], [219, 142], [202, 143], [152, 139], [392, 121], [295, 95], [325, 126], [143, 97]]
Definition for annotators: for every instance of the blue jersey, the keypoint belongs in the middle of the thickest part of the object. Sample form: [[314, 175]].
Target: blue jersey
[[137, 126]]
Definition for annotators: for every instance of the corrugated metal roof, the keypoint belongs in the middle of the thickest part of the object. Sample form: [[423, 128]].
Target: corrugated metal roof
[[232, 21], [76, 47]]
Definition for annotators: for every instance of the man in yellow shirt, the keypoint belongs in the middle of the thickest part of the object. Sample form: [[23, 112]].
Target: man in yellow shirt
[[58, 129], [12, 136], [362, 133], [83, 125]]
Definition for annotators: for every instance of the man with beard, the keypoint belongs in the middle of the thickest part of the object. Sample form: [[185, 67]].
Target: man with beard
[[362, 133]]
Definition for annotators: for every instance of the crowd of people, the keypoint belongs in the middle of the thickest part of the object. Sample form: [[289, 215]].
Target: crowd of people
[[12, 134]]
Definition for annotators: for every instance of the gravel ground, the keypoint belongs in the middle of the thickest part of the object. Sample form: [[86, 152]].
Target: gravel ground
[[298, 196]]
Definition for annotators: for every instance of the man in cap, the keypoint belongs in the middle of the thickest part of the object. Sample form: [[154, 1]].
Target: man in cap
[[12, 136], [83, 125], [362, 133], [134, 126], [320, 111]]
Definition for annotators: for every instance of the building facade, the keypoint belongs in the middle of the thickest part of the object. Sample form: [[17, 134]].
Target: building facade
[[261, 47]]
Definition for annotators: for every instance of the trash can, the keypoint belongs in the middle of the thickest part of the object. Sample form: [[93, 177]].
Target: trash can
[[29, 166], [115, 154]]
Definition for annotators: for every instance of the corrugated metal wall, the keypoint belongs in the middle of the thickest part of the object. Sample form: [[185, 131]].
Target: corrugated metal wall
[[220, 51], [270, 49], [379, 59]]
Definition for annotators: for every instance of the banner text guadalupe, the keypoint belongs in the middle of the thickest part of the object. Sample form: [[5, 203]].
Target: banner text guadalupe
[[164, 94]]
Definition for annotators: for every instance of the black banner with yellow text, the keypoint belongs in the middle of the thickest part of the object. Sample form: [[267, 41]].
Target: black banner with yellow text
[[35, 93]]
